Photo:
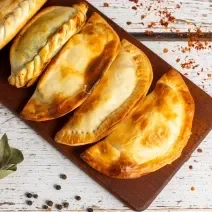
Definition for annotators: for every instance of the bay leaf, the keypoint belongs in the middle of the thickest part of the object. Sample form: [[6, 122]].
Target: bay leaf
[[5, 151]]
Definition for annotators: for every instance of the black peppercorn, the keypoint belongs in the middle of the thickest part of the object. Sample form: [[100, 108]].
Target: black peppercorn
[[66, 204], [49, 203], [28, 195], [45, 207], [90, 209], [29, 202], [78, 198], [63, 176], [59, 207], [35, 196], [58, 187]]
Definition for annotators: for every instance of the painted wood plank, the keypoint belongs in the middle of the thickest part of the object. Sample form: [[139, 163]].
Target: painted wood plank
[[196, 12], [43, 164]]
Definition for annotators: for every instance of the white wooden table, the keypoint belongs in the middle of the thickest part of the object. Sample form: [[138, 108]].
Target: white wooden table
[[43, 164]]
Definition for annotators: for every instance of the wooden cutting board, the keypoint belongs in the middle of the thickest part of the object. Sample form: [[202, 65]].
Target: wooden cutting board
[[137, 193]]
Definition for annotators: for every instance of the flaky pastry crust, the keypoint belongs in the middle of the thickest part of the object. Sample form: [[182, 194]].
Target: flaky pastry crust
[[14, 15], [152, 137], [125, 83], [74, 72], [29, 72]]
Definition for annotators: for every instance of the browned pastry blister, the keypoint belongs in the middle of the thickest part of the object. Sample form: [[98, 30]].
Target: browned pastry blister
[[152, 137], [74, 72], [125, 83]]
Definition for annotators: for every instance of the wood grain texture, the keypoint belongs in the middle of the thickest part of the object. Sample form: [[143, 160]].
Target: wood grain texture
[[197, 12], [43, 164]]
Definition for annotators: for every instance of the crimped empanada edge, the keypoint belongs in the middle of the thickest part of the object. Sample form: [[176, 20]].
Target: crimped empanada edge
[[32, 70], [77, 138], [25, 7], [137, 170]]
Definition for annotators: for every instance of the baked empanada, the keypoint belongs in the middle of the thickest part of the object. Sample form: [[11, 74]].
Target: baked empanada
[[41, 39], [152, 137], [74, 72], [14, 14], [126, 81]]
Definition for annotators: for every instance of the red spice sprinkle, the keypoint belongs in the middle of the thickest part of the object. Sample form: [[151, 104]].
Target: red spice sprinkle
[[143, 16], [165, 50], [192, 188], [195, 66], [152, 24], [148, 32], [178, 6], [106, 4], [189, 64], [199, 150], [166, 18], [135, 1], [209, 75], [178, 60]]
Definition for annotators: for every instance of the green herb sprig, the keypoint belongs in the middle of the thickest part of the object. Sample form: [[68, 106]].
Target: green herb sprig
[[9, 158]]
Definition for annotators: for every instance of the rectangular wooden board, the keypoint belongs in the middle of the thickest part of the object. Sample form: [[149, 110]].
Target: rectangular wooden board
[[137, 193]]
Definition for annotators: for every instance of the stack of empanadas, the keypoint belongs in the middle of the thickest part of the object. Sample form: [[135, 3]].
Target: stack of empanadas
[[83, 65]]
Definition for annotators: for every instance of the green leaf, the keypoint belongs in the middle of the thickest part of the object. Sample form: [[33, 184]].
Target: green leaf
[[9, 158], [5, 151], [5, 173], [16, 156]]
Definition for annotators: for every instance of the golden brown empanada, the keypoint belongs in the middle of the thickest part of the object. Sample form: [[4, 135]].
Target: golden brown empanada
[[41, 39], [14, 14], [75, 70], [127, 81], [152, 137]]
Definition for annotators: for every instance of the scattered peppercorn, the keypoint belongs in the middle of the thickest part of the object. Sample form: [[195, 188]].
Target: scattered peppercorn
[[35, 196], [129, 22], [57, 187], [28, 195], [66, 204], [190, 167], [192, 188], [29, 202], [90, 209], [63, 176], [45, 207], [78, 198], [49, 203], [59, 207]]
